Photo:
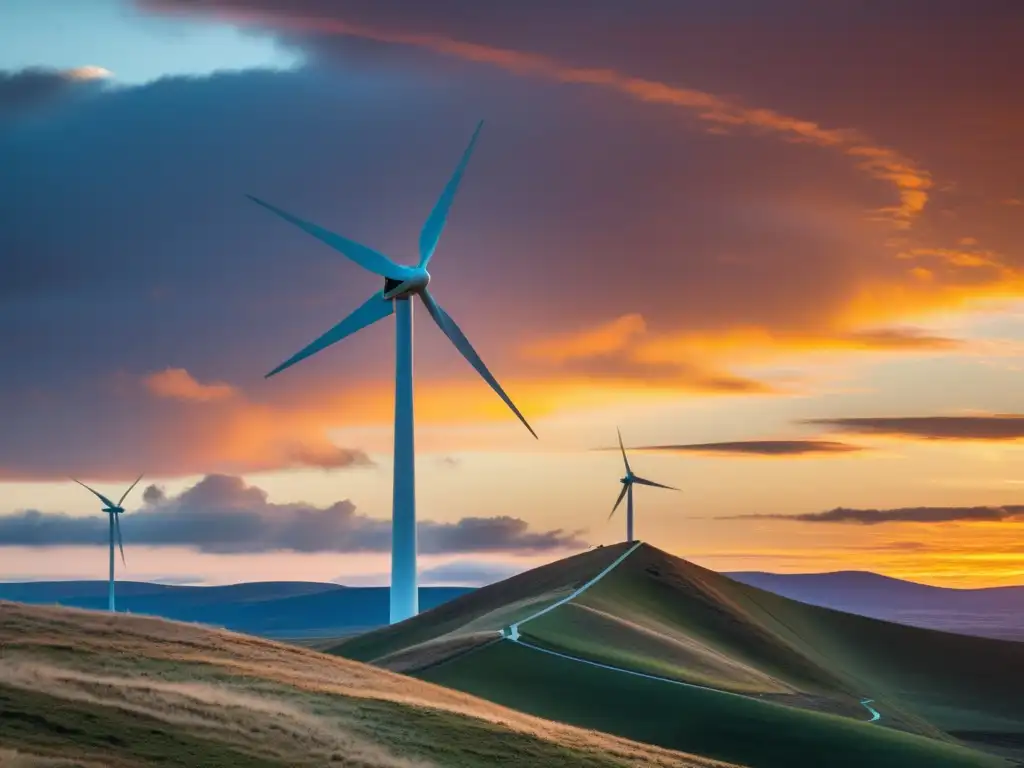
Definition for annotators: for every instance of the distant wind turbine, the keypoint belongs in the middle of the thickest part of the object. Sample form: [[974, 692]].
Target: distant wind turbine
[[113, 510], [627, 490], [401, 284]]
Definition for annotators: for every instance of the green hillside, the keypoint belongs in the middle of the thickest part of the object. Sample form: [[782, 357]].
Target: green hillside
[[788, 679]]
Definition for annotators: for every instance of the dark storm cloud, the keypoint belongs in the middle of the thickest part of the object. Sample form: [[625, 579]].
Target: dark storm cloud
[[758, 448], [221, 514], [25, 90], [901, 515], [997, 427], [154, 494]]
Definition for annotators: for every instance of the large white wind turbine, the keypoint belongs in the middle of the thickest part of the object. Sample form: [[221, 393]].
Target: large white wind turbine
[[114, 511], [627, 490], [401, 284]]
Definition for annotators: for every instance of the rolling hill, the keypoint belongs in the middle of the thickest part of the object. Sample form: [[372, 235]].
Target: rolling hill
[[287, 609], [96, 690], [988, 612], [660, 650]]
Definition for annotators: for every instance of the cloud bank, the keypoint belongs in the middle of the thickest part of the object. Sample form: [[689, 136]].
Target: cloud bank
[[758, 448], [222, 514], [901, 515], [997, 427]]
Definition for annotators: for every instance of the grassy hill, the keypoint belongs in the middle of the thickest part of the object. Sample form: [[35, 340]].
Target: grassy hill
[[286, 609], [96, 690], [787, 679]]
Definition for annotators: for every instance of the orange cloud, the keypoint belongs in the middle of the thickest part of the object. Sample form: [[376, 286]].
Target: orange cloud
[[958, 257], [602, 340], [179, 384], [754, 345], [910, 181]]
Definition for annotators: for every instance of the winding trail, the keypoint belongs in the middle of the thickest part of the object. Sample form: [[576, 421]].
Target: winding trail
[[512, 634], [874, 712]]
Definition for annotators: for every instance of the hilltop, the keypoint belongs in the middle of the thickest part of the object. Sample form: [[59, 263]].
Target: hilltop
[[88, 689], [669, 653]]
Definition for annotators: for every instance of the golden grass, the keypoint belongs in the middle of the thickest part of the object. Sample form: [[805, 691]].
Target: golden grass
[[287, 705]]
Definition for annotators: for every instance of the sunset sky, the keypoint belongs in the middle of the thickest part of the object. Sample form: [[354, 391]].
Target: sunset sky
[[781, 246]]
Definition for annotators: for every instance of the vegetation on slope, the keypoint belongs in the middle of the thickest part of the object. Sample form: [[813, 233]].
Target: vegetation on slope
[[662, 616], [94, 689], [475, 617], [733, 728]]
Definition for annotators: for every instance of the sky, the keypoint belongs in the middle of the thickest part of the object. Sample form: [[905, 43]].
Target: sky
[[780, 249]]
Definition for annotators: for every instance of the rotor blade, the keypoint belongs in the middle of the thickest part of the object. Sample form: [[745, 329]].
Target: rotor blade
[[625, 487], [652, 483], [125, 496], [120, 541], [432, 229], [458, 338], [623, 448], [365, 257], [96, 493], [373, 309]]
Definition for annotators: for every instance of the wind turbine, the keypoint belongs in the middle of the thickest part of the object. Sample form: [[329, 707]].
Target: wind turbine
[[627, 490], [401, 284], [113, 510]]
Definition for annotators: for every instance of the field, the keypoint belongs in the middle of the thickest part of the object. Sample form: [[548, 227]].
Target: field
[[749, 677], [88, 689]]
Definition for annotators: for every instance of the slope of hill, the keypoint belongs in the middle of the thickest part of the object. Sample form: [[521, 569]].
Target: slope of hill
[[273, 609], [663, 651], [92, 689], [989, 612]]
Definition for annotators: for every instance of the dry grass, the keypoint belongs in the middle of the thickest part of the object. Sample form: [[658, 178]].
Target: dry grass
[[11, 758], [278, 704]]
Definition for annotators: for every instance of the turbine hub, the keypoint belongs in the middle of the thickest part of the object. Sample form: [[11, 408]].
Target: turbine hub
[[403, 289]]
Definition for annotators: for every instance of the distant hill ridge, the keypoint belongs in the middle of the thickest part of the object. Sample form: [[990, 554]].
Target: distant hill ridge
[[285, 609], [987, 612]]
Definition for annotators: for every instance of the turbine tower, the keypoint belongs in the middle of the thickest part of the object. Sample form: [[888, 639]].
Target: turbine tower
[[627, 490], [401, 284], [113, 510]]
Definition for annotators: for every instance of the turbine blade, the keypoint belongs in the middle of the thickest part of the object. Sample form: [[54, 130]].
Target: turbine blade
[[120, 541], [365, 257], [96, 493], [125, 496], [458, 338], [652, 483], [623, 449], [373, 309], [434, 225], [625, 487]]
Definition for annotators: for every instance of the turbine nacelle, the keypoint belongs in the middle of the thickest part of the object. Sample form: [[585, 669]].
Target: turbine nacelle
[[408, 286]]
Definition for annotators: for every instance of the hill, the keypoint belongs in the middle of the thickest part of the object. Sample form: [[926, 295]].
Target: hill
[[93, 689], [633, 641], [292, 610], [988, 612]]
